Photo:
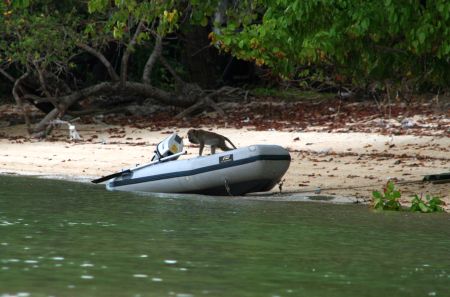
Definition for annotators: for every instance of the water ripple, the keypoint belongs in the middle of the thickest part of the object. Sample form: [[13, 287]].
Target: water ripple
[[20, 294], [87, 265], [140, 275]]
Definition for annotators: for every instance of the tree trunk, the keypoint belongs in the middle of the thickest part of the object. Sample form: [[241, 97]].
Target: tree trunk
[[116, 88], [199, 57]]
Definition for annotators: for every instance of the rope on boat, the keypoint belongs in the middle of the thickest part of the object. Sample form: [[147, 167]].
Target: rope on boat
[[227, 187]]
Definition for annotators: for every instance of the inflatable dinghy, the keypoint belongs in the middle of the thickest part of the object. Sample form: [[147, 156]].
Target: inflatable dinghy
[[256, 168]]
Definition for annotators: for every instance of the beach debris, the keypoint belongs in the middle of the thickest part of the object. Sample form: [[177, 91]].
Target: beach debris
[[440, 178], [408, 123], [73, 133], [325, 151]]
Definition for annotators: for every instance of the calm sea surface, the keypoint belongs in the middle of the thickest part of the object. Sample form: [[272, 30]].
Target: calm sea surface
[[72, 239]]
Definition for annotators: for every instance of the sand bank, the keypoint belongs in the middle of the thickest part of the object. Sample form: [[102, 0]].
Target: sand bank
[[345, 164]]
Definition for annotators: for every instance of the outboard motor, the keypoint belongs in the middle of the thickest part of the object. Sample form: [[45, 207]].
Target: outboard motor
[[169, 146]]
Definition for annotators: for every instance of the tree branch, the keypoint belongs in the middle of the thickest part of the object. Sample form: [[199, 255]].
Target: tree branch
[[126, 54], [152, 60], [158, 94], [7, 75], [172, 72], [38, 99], [108, 87], [102, 58], [66, 102], [206, 101], [19, 99], [42, 81]]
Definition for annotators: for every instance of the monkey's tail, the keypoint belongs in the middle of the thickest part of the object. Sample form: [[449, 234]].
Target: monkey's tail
[[226, 138]]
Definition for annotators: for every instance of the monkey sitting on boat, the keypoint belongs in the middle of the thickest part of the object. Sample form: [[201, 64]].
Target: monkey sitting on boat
[[202, 137]]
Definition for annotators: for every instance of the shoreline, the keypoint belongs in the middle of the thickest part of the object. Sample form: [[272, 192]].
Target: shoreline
[[340, 164]]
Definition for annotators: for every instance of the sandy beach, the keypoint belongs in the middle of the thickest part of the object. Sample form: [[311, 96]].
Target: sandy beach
[[345, 164]]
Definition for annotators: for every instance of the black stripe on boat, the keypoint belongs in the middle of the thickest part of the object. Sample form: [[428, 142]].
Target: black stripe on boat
[[238, 188], [219, 166]]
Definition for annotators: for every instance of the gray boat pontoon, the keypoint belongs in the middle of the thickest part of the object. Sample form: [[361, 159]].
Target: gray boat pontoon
[[256, 168]]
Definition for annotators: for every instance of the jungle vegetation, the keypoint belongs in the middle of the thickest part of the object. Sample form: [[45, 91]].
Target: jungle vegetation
[[55, 54]]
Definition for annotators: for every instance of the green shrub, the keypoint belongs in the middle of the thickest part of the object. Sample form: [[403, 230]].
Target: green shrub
[[431, 204], [388, 200]]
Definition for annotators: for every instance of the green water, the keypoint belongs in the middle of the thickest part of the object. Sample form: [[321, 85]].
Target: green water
[[72, 239]]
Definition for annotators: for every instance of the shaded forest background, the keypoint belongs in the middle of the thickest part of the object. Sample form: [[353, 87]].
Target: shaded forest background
[[74, 58]]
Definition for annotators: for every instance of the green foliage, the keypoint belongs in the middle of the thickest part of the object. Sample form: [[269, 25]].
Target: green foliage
[[388, 200], [431, 204], [358, 41], [362, 40], [36, 32], [45, 34], [162, 17], [117, 21]]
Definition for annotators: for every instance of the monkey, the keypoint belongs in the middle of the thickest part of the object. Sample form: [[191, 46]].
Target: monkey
[[203, 137]]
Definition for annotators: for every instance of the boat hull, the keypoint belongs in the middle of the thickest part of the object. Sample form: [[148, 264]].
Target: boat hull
[[257, 168]]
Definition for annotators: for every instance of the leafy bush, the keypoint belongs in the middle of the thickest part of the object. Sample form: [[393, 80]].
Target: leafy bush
[[363, 41], [388, 200], [432, 204]]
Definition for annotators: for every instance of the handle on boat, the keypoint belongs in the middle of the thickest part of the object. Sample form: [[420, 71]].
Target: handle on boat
[[127, 171], [105, 178]]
